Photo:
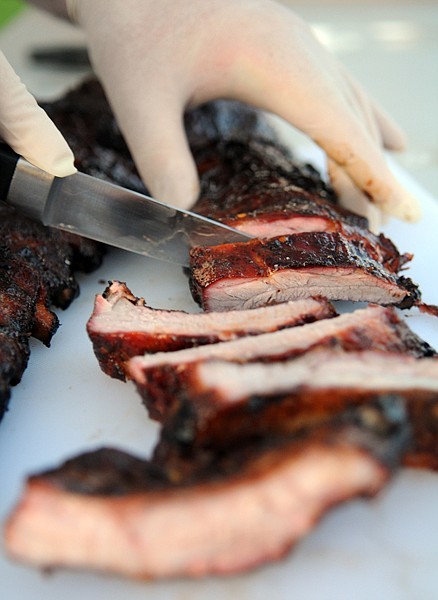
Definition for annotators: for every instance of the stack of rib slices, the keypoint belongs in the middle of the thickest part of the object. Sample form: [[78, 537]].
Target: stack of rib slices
[[273, 407]]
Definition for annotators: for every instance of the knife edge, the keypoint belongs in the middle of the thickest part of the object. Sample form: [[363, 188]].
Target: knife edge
[[105, 212]]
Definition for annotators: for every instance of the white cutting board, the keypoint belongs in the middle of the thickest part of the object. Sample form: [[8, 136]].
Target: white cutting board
[[383, 549]]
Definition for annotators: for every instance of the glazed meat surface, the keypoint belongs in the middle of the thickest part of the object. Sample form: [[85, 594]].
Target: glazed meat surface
[[256, 187], [261, 272]]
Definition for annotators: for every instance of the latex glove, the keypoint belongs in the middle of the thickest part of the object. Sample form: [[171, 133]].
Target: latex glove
[[156, 58], [27, 128]]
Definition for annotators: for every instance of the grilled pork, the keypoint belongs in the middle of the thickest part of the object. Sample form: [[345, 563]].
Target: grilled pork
[[122, 326], [109, 511], [258, 188], [217, 402], [37, 267], [262, 272], [372, 328]]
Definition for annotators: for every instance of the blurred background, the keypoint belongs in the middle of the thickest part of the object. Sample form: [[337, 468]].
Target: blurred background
[[390, 46]]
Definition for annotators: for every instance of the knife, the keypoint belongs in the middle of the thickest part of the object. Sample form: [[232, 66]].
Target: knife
[[102, 211]]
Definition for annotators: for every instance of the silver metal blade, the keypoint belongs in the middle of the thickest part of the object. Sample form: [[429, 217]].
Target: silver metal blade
[[111, 214]]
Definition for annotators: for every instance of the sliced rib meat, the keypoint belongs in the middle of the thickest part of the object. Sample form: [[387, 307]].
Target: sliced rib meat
[[122, 326], [224, 383], [218, 402], [262, 272], [112, 512], [374, 327]]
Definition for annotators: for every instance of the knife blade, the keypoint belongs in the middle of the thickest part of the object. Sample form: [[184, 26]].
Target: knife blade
[[108, 213]]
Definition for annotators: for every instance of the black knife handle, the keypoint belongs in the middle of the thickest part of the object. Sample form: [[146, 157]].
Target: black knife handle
[[8, 162]]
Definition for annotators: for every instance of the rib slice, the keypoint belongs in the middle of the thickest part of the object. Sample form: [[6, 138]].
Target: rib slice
[[262, 272], [226, 513], [374, 327], [122, 326], [258, 188], [217, 402]]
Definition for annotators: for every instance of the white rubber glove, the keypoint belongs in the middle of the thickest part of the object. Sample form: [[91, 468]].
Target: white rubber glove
[[155, 58], [28, 129]]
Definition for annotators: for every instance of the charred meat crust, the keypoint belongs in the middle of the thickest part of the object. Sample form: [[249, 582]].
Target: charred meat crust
[[110, 472], [85, 119], [256, 187], [22, 313], [36, 272], [303, 252], [203, 414], [53, 254], [123, 326], [134, 508], [247, 179]]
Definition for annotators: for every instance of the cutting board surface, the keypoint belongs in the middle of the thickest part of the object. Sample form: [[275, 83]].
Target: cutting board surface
[[65, 405]]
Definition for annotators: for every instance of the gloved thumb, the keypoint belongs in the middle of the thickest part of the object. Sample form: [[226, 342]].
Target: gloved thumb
[[27, 128]]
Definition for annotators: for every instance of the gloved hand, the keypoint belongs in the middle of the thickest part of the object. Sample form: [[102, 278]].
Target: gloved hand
[[28, 129], [156, 58]]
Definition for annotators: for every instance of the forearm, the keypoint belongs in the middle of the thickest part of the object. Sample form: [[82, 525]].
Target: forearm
[[56, 7]]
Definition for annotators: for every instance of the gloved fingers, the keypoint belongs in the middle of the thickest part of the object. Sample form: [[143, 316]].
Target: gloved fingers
[[160, 148], [320, 108], [174, 54], [365, 165], [364, 110], [352, 199], [306, 87], [389, 133], [347, 142], [144, 87], [27, 128]]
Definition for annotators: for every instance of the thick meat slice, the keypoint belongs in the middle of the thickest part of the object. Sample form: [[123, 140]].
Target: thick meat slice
[[112, 512], [122, 326], [375, 327], [262, 272], [217, 402], [257, 187]]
